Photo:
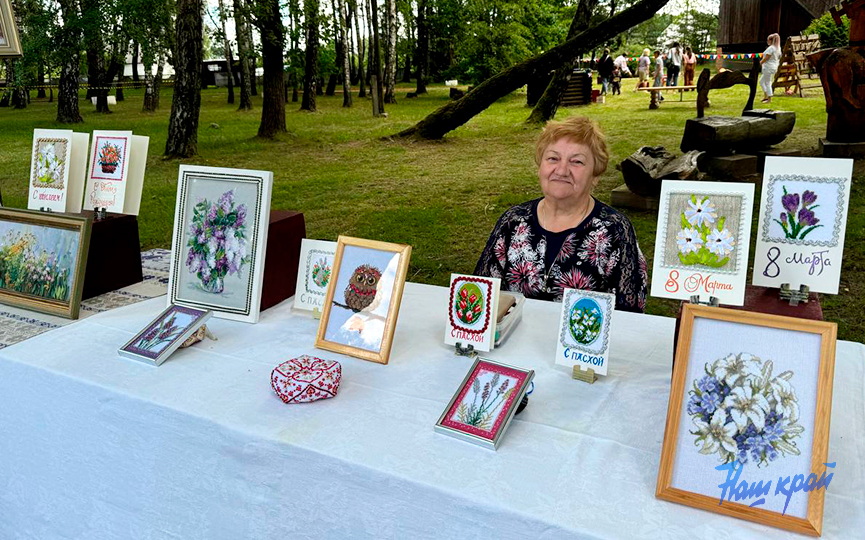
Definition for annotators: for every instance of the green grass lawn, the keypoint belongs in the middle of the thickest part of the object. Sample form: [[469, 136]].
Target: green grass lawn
[[441, 197]]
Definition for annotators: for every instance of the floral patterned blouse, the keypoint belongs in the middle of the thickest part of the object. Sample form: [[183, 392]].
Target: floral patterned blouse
[[600, 254]]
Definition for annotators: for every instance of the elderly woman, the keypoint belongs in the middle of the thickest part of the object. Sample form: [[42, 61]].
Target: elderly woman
[[567, 238]]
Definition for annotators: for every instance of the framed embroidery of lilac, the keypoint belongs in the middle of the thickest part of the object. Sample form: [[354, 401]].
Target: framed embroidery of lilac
[[702, 240], [314, 273], [750, 401], [10, 44], [802, 223], [472, 309], [164, 335], [584, 331], [220, 233], [485, 403]]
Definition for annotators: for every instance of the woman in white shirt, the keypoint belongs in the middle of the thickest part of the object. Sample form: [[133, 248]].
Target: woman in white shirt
[[771, 59]]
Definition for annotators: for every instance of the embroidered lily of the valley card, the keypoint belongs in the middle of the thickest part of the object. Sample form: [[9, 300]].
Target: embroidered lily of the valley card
[[702, 243], [313, 273], [803, 217], [472, 304], [584, 330]]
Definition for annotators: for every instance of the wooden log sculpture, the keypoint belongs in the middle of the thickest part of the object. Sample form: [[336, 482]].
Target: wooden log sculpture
[[645, 169], [842, 74], [722, 135]]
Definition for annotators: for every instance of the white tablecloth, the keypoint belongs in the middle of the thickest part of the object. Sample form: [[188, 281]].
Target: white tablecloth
[[96, 446]]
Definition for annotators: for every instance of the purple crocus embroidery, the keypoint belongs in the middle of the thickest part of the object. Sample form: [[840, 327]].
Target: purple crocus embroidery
[[797, 222]]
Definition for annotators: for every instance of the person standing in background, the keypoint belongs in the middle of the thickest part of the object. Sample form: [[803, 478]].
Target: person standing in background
[[675, 56], [605, 70], [658, 73], [689, 60], [644, 65], [621, 62], [771, 59]]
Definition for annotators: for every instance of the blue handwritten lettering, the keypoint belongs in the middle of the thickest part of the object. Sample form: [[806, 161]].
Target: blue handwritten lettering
[[732, 488]]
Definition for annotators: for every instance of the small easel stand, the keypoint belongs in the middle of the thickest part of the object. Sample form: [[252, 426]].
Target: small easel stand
[[316, 313], [794, 297], [586, 375], [468, 350]]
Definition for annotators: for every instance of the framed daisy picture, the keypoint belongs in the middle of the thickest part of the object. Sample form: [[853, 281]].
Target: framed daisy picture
[[750, 403], [485, 403], [703, 238]]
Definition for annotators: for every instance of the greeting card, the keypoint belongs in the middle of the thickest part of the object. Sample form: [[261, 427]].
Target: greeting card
[[584, 330], [472, 303]]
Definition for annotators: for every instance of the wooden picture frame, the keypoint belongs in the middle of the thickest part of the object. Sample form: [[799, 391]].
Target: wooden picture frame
[[10, 44], [788, 365], [47, 252], [228, 210], [500, 389], [164, 334], [362, 302]]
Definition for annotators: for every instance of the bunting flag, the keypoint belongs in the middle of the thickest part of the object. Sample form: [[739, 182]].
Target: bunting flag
[[740, 56]]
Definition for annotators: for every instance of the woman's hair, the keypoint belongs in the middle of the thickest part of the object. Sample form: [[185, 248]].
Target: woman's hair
[[688, 49], [578, 129], [646, 52], [774, 40]]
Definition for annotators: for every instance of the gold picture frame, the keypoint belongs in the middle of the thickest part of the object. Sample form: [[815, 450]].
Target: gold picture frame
[[43, 258], [362, 302], [10, 44], [771, 371]]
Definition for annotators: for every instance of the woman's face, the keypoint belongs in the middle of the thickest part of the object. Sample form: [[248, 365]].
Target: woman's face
[[566, 171]]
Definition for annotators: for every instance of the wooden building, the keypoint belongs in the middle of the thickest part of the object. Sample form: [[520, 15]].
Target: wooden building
[[743, 25]]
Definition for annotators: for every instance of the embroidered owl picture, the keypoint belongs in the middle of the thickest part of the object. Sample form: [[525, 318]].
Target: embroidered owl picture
[[362, 290]]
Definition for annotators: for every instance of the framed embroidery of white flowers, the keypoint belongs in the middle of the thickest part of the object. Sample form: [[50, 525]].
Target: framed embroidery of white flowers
[[584, 330], [747, 431], [803, 218], [220, 233], [701, 248]]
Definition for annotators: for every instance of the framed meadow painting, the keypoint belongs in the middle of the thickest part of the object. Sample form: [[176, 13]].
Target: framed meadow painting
[[472, 311], [485, 403], [43, 257], [747, 431], [803, 220], [314, 273], [218, 247], [703, 238], [10, 44], [162, 336], [584, 330], [362, 304]]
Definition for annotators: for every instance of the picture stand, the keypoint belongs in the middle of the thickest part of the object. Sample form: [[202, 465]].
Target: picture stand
[[786, 294], [316, 314], [46, 210], [585, 375], [468, 350], [114, 258], [286, 231], [695, 299]]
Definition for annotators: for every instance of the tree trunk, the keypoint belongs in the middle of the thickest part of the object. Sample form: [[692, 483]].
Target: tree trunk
[[406, 71], [378, 87], [422, 59], [546, 107], [40, 80], [310, 74], [118, 91], [14, 79], [69, 37], [331, 81], [361, 74], [390, 63], [226, 46], [157, 82], [250, 48], [457, 113], [135, 53], [346, 58], [240, 29], [186, 104], [272, 47]]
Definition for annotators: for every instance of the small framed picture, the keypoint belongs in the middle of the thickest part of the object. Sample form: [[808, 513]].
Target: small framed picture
[[43, 257], [750, 404], [220, 235], [164, 334], [10, 45], [362, 304], [485, 402]]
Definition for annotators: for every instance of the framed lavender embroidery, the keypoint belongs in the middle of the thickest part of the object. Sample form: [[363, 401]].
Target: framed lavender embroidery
[[220, 232], [703, 240], [750, 402], [164, 334], [803, 216]]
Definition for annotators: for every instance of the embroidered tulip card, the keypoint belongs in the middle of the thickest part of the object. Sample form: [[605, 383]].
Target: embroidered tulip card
[[701, 247], [584, 330], [472, 311], [803, 217], [314, 273], [57, 167]]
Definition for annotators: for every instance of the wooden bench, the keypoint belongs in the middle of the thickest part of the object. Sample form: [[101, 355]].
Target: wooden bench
[[654, 102]]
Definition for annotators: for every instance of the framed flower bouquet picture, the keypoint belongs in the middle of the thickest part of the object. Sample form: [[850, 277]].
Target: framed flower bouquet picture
[[803, 220], [703, 238], [362, 302], [485, 403], [162, 336], [220, 233], [747, 431], [43, 257], [10, 44]]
